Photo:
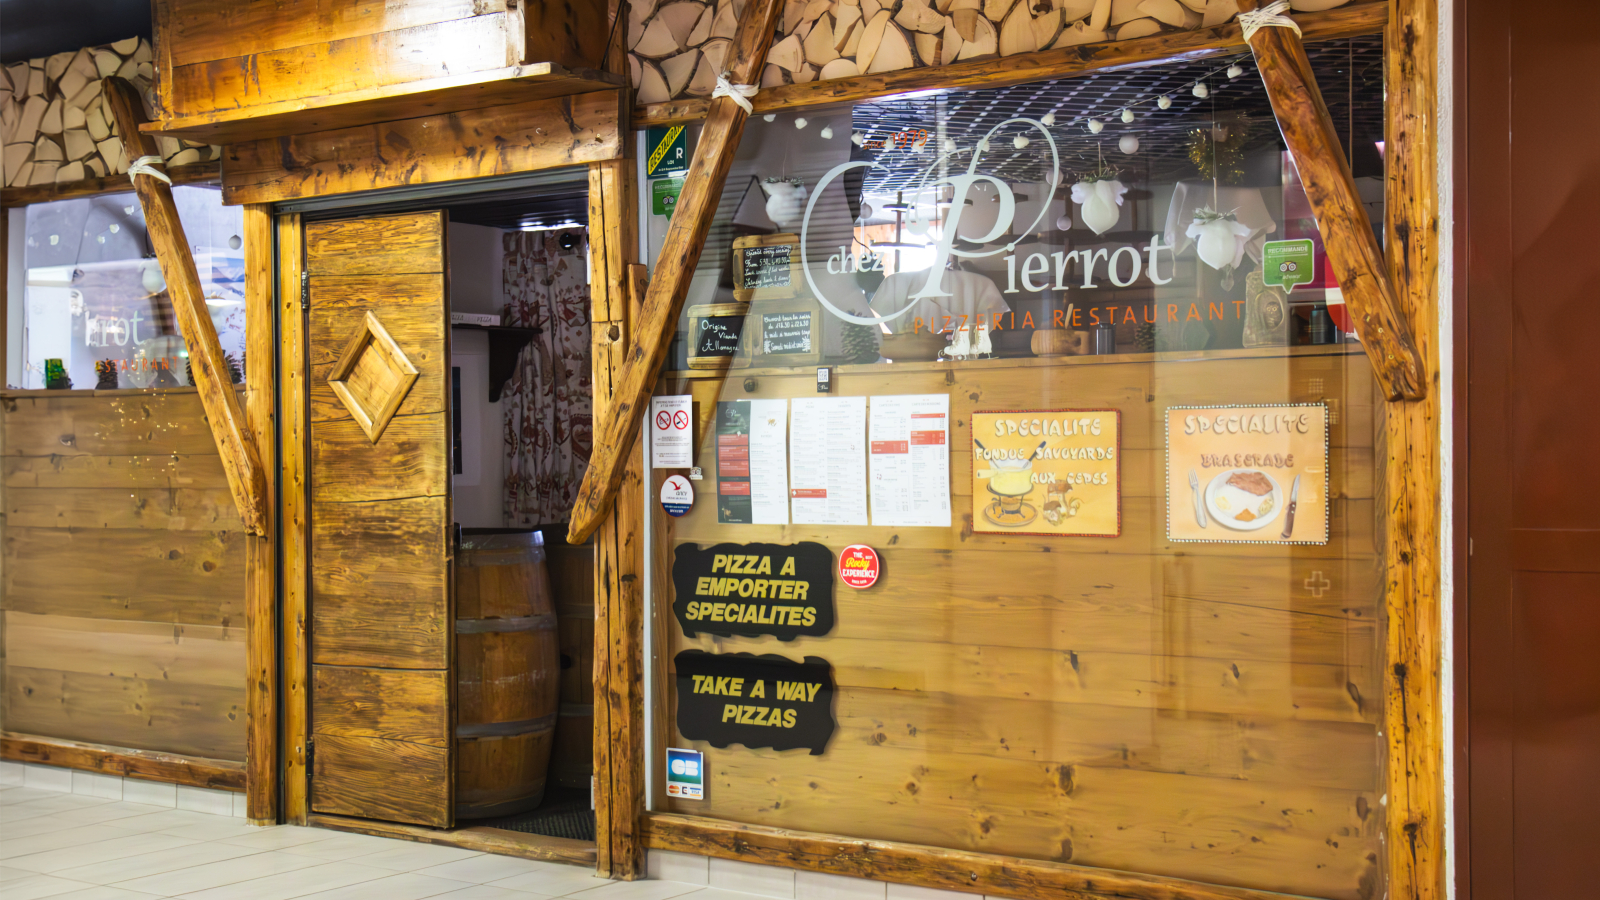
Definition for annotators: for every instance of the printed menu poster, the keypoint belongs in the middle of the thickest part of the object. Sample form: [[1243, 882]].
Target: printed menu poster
[[1047, 471], [908, 437], [828, 460], [752, 471], [1252, 474]]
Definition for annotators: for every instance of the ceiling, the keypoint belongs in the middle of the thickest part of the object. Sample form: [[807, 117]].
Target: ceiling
[[35, 28]]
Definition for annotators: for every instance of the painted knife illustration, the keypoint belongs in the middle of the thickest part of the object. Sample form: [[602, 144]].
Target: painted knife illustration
[[1199, 502], [1294, 496]]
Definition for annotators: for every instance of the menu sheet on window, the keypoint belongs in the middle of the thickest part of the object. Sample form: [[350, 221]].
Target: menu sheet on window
[[752, 471], [827, 460], [909, 439]]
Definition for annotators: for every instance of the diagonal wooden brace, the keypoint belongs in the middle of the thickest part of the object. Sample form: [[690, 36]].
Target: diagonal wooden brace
[[1358, 260], [240, 459], [652, 333]]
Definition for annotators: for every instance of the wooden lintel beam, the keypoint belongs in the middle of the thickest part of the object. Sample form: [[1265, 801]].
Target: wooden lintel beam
[[247, 479], [1358, 260], [680, 252]]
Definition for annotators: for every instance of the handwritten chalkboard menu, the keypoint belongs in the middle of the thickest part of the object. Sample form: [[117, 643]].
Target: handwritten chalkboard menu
[[716, 333], [763, 267], [786, 332]]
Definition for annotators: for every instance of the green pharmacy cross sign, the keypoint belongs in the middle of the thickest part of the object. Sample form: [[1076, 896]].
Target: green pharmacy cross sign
[[1288, 263]]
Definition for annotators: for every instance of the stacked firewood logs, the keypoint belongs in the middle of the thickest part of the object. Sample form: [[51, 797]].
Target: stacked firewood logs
[[57, 126], [676, 47]]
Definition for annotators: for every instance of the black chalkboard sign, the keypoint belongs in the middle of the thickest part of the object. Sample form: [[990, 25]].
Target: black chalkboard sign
[[765, 267], [757, 701], [786, 332], [785, 590], [718, 335]]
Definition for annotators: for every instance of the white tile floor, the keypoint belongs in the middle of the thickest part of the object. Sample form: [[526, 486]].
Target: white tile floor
[[77, 846]]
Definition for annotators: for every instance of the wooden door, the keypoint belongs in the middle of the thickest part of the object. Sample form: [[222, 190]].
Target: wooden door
[[382, 717], [1528, 787]]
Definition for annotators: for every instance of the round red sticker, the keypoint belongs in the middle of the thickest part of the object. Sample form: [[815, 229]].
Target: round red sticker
[[858, 566]]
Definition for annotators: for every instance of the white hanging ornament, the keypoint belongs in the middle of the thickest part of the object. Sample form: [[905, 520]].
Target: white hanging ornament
[[1047, 119], [1053, 178], [800, 122], [1219, 238], [858, 139], [1235, 70], [866, 211], [1201, 91], [1164, 101], [1128, 144], [1063, 223], [770, 117], [1019, 142], [826, 132], [1127, 116], [786, 201], [949, 145], [1096, 126], [1099, 199], [983, 146]]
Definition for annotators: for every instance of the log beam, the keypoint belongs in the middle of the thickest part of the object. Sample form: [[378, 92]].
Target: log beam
[[680, 253], [1358, 261], [247, 478]]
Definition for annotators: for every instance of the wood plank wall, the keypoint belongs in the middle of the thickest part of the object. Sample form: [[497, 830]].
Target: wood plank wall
[[1201, 711], [124, 574]]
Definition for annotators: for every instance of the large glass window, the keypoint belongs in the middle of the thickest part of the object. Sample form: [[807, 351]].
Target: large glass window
[[96, 301], [1038, 510]]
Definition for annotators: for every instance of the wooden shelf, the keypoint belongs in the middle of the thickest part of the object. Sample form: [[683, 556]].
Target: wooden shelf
[[453, 93]]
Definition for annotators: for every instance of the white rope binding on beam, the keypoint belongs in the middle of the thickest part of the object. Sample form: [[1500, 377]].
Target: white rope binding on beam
[[1269, 16], [739, 93], [144, 165]]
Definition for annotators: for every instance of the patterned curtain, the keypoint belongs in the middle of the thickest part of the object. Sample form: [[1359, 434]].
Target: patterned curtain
[[549, 432]]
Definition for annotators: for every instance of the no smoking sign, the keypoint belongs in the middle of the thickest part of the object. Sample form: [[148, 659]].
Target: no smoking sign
[[672, 432]]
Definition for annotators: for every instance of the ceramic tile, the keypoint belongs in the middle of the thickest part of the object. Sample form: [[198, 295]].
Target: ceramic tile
[[95, 784], [670, 865], [44, 824], [103, 892], [404, 886], [216, 830], [343, 845], [47, 778], [157, 863], [152, 793], [241, 806], [636, 890], [106, 813], [282, 836], [18, 793], [9, 874], [486, 868], [212, 875], [822, 886], [409, 857], [41, 886], [167, 818], [714, 894], [51, 861], [489, 892], [553, 879], [913, 892], [205, 800], [23, 844], [287, 885], [10, 772], [751, 878]]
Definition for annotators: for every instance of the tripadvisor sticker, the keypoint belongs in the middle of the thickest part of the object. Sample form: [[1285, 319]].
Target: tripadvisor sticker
[[1288, 263]]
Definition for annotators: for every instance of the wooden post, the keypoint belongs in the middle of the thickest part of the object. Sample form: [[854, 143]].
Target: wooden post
[[240, 459], [261, 553], [295, 518], [1353, 249], [619, 543], [1412, 708], [680, 253]]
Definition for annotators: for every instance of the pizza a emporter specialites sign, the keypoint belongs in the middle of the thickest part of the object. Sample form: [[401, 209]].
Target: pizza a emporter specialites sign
[[750, 590], [757, 701]]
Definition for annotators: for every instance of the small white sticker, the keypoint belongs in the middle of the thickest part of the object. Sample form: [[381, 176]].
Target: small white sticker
[[677, 495], [672, 432]]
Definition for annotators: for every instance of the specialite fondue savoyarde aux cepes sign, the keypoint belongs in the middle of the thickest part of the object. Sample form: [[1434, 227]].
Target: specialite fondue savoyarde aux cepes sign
[[1047, 471], [750, 590], [758, 701], [1255, 474]]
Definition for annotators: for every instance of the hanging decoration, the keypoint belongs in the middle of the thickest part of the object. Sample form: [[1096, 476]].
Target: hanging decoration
[[1219, 238], [786, 201], [1129, 144], [1222, 158], [1099, 193]]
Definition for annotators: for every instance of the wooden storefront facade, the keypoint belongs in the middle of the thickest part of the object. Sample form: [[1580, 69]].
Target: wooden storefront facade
[[343, 151]]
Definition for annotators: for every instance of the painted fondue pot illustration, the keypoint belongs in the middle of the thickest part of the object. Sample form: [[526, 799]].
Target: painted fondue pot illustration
[[1011, 480], [1244, 499]]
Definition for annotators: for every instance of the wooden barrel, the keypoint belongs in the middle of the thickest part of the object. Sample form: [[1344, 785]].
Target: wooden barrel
[[507, 670], [572, 574]]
